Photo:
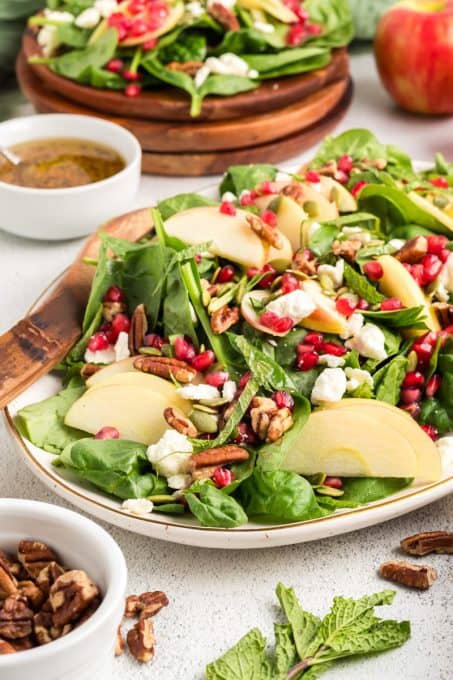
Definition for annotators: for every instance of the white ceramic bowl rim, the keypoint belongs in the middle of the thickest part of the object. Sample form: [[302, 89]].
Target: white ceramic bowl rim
[[111, 553], [74, 119]]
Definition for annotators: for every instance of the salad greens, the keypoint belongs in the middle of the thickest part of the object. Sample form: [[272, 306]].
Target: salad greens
[[306, 646], [338, 319], [202, 48]]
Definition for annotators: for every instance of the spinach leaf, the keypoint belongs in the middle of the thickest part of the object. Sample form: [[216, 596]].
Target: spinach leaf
[[335, 17], [170, 508], [214, 508], [77, 63], [77, 352], [108, 273], [294, 60], [221, 85], [272, 455], [439, 411], [321, 241], [267, 372], [177, 315], [371, 252], [279, 496], [43, 423], [72, 36], [361, 285], [175, 204], [304, 380], [245, 661], [357, 143], [192, 47], [362, 490], [411, 317], [285, 351], [240, 178], [117, 466], [103, 79], [388, 380], [143, 272]]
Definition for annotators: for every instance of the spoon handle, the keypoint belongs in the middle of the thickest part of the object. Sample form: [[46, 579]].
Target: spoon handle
[[10, 156]]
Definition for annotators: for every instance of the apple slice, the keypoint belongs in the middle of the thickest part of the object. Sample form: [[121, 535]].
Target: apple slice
[[290, 217], [165, 388], [281, 258], [431, 209], [347, 443], [126, 365], [231, 235], [397, 282], [252, 317], [325, 318], [428, 458], [337, 193], [135, 411]]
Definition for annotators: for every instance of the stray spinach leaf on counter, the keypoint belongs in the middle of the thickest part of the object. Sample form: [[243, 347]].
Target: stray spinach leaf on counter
[[306, 645]]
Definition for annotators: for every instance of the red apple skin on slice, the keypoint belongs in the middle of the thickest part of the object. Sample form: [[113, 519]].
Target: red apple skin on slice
[[325, 318], [252, 317]]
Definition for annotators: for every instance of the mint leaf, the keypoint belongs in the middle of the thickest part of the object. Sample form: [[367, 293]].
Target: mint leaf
[[410, 317], [285, 649], [360, 285], [245, 661], [388, 380], [304, 625], [379, 637]]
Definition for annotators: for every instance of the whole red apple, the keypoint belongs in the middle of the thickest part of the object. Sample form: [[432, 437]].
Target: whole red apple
[[414, 54]]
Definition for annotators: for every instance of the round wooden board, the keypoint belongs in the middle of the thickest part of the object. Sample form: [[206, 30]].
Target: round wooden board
[[164, 136], [171, 104]]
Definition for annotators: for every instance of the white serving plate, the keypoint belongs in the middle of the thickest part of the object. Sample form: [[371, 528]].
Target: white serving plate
[[186, 531]]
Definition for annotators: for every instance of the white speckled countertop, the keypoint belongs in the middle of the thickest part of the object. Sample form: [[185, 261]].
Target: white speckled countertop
[[217, 596]]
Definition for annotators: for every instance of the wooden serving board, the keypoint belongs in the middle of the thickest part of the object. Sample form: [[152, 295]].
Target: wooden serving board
[[170, 104], [213, 135]]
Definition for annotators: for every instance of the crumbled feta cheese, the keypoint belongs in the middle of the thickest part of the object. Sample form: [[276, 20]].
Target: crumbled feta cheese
[[100, 356], [396, 243], [227, 64], [138, 506], [229, 196], [48, 39], [331, 360], [313, 228], [264, 27], [122, 347], [358, 234], [229, 390], [196, 9], [335, 273], [369, 342], [179, 481], [170, 454], [357, 377], [89, 18], [106, 7], [59, 17], [283, 177], [354, 324], [330, 385], [445, 447], [196, 392], [201, 75], [297, 305]]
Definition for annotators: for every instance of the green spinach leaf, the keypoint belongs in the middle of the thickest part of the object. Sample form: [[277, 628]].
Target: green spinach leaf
[[361, 285], [215, 508], [175, 204], [246, 177]]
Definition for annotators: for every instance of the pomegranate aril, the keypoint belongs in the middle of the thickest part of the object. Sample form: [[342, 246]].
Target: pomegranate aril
[[363, 304], [227, 208], [412, 409], [107, 433], [109, 333], [204, 360], [115, 65], [184, 350], [314, 29], [333, 482], [139, 28], [432, 266], [312, 176], [226, 274], [217, 378], [268, 319], [332, 348], [114, 294], [431, 431], [150, 44], [269, 217], [132, 90], [391, 305], [410, 394], [135, 7], [296, 34], [289, 283], [283, 324], [132, 76], [436, 243], [245, 435], [423, 351], [303, 348], [357, 188], [247, 199], [283, 399], [439, 182], [252, 272], [222, 477], [307, 361], [433, 385], [314, 339], [154, 340], [266, 188], [345, 163], [444, 255], [244, 379], [345, 306], [417, 271], [98, 342], [121, 324], [373, 270], [413, 379], [268, 280]]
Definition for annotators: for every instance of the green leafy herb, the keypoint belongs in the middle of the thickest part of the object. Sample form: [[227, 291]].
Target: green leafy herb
[[361, 490], [265, 370], [388, 380], [358, 144], [245, 661], [361, 285], [215, 508], [192, 48], [411, 317], [439, 410], [180, 202], [246, 177]]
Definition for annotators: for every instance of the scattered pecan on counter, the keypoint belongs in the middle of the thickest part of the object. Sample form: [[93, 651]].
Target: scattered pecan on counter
[[140, 638], [428, 542], [408, 574]]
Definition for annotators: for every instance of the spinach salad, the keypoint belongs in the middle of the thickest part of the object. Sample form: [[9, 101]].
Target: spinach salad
[[278, 354]]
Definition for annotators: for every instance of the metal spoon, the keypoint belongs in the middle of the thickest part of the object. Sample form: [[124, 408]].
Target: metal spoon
[[10, 156]]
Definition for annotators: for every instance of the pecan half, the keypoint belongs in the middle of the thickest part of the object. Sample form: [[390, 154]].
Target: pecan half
[[294, 190], [224, 318], [140, 640], [132, 607], [261, 411], [224, 16], [88, 370], [31, 592], [119, 642], [8, 583], [408, 574], [347, 249], [303, 261], [445, 312], [42, 623], [15, 618], [35, 556], [111, 309], [138, 329], [48, 576], [221, 455], [70, 595], [279, 424], [151, 603], [428, 542], [413, 250], [176, 419], [6, 647], [166, 367], [203, 473], [22, 644], [265, 232], [189, 67]]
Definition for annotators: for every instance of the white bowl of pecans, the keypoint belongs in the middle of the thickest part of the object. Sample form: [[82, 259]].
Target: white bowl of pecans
[[62, 592]]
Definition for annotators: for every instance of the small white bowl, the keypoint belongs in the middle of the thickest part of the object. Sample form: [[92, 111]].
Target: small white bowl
[[88, 651], [58, 214]]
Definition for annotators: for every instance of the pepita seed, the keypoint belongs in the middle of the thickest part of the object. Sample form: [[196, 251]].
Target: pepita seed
[[150, 351], [329, 491], [311, 208], [204, 408], [441, 201], [412, 361], [219, 401], [204, 422]]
